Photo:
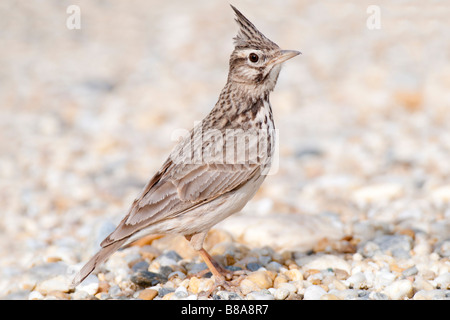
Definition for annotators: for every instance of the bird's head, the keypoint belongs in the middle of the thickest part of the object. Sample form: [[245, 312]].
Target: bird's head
[[256, 60]]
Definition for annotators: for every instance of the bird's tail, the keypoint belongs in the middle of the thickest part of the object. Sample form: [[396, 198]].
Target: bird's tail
[[96, 260]]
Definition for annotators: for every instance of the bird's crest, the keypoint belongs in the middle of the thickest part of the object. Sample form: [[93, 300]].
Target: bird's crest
[[248, 36]]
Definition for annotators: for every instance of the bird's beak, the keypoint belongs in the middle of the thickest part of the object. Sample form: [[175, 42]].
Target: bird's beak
[[285, 55]]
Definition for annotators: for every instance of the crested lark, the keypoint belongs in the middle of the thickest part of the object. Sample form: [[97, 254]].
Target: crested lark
[[215, 170]]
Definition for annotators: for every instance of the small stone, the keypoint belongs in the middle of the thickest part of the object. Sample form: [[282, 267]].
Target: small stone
[[178, 274], [411, 271], [90, 284], [168, 295], [339, 285], [147, 278], [274, 266], [377, 194], [260, 295], [341, 274], [329, 297], [314, 292], [291, 287], [443, 249], [261, 278], [197, 285], [356, 280], [397, 246], [226, 295], [328, 262], [421, 284], [399, 289], [194, 268], [378, 296], [279, 279], [181, 292], [35, 295], [58, 283], [346, 294], [442, 281], [165, 271], [103, 286], [281, 294], [253, 266], [169, 257], [148, 294], [246, 286], [384, 278], [165, 291], [434, 294], [114, 291], [141, 265], [294, 275]]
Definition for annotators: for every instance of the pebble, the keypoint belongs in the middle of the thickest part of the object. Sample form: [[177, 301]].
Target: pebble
[[411, 271], [58, 283], [443, 248], [35, 295], [294, 275], [281, 294], [399, 289], [148, 294], [146, 278], [165, 291], [434, 294], [329, 297], [253, 266], [260, 295], [139, 266], [197, 285], [181, 292], [328, 262], [314, 292], [90, 285], [397, 246], [226, 295], [261, 279], [290, 287], [442, 281], [356, 280]]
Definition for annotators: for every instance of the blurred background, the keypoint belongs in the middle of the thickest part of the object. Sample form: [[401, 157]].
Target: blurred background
[[87, 117]]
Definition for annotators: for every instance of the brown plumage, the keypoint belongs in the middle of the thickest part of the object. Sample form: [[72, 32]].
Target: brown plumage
[[216, 169]]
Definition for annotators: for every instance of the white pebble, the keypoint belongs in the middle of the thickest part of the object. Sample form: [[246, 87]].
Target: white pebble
[[260, 295], [442, 281], [383, 279], [89, 285], [328, 261], [314, 292], [399, 289], [58, 283], [181, 292], [35, 295], [357, 280], [288, 286], [429, 295], [281, 294]]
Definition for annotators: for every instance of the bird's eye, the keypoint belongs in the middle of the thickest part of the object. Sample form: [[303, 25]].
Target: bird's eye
[[253, 57]]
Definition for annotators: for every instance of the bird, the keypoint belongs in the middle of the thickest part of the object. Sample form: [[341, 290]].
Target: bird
[[217, 168]]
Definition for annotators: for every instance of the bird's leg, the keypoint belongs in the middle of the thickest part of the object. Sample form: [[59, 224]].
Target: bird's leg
[[217, 271], [220, 274]]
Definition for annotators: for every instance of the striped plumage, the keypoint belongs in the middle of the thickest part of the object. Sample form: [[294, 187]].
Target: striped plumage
[[209, 176]]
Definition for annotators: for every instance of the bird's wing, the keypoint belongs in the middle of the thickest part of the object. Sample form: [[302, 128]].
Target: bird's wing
[[179, 187]]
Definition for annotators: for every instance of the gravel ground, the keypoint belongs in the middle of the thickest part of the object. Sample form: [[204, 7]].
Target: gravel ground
[[359, 207]]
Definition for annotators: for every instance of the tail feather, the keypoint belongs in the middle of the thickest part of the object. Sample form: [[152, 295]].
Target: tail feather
[[95, 261]]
